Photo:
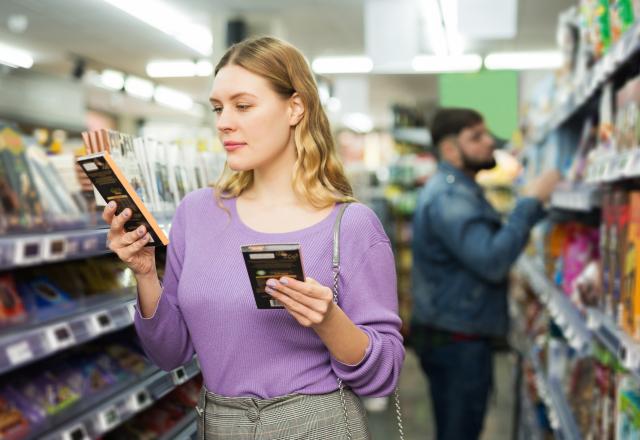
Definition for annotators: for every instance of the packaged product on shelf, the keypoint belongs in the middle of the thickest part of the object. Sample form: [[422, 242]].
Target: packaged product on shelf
[[12, 308], [618, 244], [628, 421], [587, 143], [114, 185], [177, 173], [156, 153], [21, 201], [606, 225], [61, 211], [41, 295], [13, 424], [580, 249], [581, 393], [628, 318]]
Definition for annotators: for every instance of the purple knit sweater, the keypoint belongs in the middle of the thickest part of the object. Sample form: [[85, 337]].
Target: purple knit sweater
[[207, 306]]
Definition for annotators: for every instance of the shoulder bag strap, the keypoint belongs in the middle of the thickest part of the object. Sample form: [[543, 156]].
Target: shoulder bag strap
[[336, 274]]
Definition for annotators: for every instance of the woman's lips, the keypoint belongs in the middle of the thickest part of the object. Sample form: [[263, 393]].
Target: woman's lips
[[232, 146]]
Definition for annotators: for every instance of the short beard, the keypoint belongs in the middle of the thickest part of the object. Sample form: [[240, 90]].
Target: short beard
[[474, 166]]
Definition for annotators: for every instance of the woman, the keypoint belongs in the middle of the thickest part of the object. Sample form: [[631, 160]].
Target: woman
[[271, 373]]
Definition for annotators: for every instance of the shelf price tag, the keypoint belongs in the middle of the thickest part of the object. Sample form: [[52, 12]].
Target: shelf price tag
[[108, 418], [101, 322], [28, 251], [139, 401], [179, 376], [19, 353], [91, 244], [78, 432], [59, 336], [55, 248]]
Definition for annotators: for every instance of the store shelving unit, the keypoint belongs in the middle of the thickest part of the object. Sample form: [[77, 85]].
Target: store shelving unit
[[87, 320], [185, 430], [101, 413], [18, 251], [624, 51], [563, 312], [581, 199], [550, 390], [617, 342]]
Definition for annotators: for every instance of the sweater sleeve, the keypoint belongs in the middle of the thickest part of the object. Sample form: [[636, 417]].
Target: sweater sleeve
[[164, 336], [369, 297]]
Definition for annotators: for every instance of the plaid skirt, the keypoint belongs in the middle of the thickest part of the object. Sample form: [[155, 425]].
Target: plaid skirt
[[291, 417]]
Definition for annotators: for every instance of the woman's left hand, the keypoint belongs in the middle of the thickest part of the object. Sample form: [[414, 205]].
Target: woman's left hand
[[309, 302]]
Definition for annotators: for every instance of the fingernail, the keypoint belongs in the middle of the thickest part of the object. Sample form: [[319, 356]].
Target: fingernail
[[112, 205], [284, 281], [127, 212], [272, 283], [141, 230], [269, 290]]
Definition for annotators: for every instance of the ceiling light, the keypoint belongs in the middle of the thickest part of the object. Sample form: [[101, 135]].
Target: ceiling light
[[169, 21], [112, 79], [356, 64], [204, 68], [170, 69], [173, 98], [452, 63], [14, 57], [179, 68], [138, 87], [523, 60]]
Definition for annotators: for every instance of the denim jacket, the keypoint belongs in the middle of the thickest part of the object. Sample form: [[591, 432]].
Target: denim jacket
[[463, 253]]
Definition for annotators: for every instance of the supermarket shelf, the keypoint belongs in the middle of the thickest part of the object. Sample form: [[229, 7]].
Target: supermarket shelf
[[563, 312], [103, 413], [87, 320], [185, 430], [34, 249], [581, 199], [413, 135], [619, 54], [614, 339], [560, 415], [612, 167]]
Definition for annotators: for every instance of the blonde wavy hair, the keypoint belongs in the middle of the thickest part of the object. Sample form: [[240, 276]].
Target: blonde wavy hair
[[318, 175]]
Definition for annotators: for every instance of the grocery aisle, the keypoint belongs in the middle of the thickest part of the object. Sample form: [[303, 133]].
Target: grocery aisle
[[416, 406]]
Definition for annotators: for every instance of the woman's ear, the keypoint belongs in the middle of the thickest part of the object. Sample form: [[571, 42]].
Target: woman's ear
[[296, 109]]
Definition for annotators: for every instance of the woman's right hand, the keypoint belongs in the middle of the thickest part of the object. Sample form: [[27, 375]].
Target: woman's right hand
[[129, 246]]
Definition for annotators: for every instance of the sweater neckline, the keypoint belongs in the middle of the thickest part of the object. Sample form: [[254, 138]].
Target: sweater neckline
[[322, 224]]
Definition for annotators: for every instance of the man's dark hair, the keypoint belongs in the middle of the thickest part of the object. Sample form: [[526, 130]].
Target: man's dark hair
[[451, 121]]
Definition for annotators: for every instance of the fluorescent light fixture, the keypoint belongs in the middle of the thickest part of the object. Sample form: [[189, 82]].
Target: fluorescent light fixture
[[451, 63], [358, 122], [14, 57], [112, 79], [204, 68], [138, 87], [173, 98], [355, 64], [169, 21], [523, 60], [178, 68]]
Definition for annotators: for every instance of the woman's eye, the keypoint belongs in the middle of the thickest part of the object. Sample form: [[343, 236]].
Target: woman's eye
[[217, 110], [243, 107]]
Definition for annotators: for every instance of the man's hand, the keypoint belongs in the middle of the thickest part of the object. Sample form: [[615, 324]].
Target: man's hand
[[543, 186]]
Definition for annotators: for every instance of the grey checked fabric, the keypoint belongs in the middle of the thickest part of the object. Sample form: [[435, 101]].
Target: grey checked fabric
[[292, 417]]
